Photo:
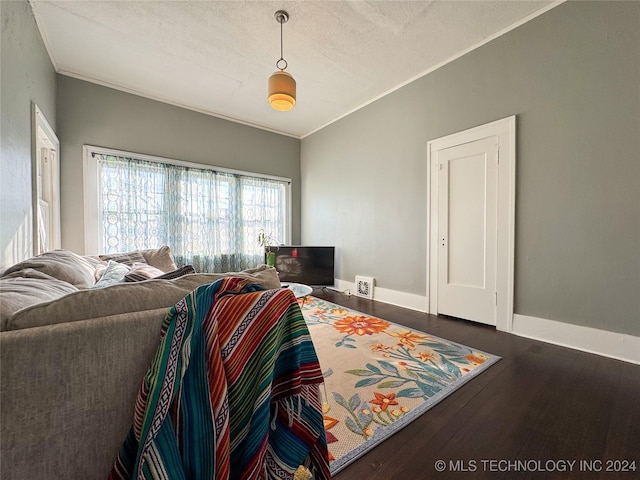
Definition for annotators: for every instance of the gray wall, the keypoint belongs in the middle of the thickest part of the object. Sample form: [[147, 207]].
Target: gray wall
[[572, 77], [96, 115], [27, 76]]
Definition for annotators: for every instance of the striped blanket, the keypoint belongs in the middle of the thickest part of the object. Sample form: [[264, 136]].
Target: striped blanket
[[232, 393]]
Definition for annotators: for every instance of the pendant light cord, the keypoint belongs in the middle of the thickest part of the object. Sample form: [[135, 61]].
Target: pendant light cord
[[281, 20]]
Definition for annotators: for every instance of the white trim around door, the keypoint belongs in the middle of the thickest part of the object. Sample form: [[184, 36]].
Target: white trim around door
[[45, 172], [505, 132]]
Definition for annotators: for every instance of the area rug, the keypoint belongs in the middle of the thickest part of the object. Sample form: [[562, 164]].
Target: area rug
[[380, 376]]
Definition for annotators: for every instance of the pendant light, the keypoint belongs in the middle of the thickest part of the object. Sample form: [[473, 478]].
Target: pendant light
[[282, 86]]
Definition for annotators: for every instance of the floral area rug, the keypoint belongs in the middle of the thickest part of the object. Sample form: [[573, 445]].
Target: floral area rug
[[379, 376]]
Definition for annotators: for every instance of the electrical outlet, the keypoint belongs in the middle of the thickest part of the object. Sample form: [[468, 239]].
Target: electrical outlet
[[364, 286]]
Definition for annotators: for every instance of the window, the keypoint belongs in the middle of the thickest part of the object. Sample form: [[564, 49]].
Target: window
[[209, 217]]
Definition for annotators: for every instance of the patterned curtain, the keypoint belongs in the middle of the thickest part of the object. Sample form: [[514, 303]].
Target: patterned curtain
[[209, 219]]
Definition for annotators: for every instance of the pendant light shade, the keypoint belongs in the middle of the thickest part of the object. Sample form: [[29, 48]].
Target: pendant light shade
[[282, 91], [282, 86]]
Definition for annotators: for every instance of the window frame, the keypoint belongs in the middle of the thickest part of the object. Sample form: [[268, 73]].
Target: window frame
[[91, 181]]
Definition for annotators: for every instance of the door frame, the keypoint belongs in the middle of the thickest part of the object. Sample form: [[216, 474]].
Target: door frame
[[43, 135], [505, 131]]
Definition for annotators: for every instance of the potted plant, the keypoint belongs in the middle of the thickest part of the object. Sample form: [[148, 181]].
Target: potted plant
[[268, 242]]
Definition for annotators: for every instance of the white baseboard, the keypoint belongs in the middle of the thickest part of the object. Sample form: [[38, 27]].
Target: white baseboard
[[385, 295], [592, 340], [601, 342]]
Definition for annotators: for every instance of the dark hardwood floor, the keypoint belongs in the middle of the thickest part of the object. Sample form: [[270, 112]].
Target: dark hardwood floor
[[541, 403]]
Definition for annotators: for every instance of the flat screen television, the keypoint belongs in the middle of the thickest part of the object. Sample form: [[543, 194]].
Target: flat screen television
[[308, 265]]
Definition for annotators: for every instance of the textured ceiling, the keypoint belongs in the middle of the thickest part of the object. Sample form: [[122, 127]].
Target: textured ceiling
[[216, 56]]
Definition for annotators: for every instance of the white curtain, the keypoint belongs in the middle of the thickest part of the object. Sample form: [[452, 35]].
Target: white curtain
[[209, 219]]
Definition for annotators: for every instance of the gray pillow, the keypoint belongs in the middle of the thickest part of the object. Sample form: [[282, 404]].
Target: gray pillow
[[28, 287], [140, 274], [160, 258], [264, 275], [128, 297], [61, 264], [128, 258]]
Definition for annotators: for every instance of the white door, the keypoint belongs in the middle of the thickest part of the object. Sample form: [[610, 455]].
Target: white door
[[46, 185], [467, 230]]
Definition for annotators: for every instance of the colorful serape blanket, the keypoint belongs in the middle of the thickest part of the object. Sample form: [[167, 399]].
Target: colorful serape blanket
[[233, 392]]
